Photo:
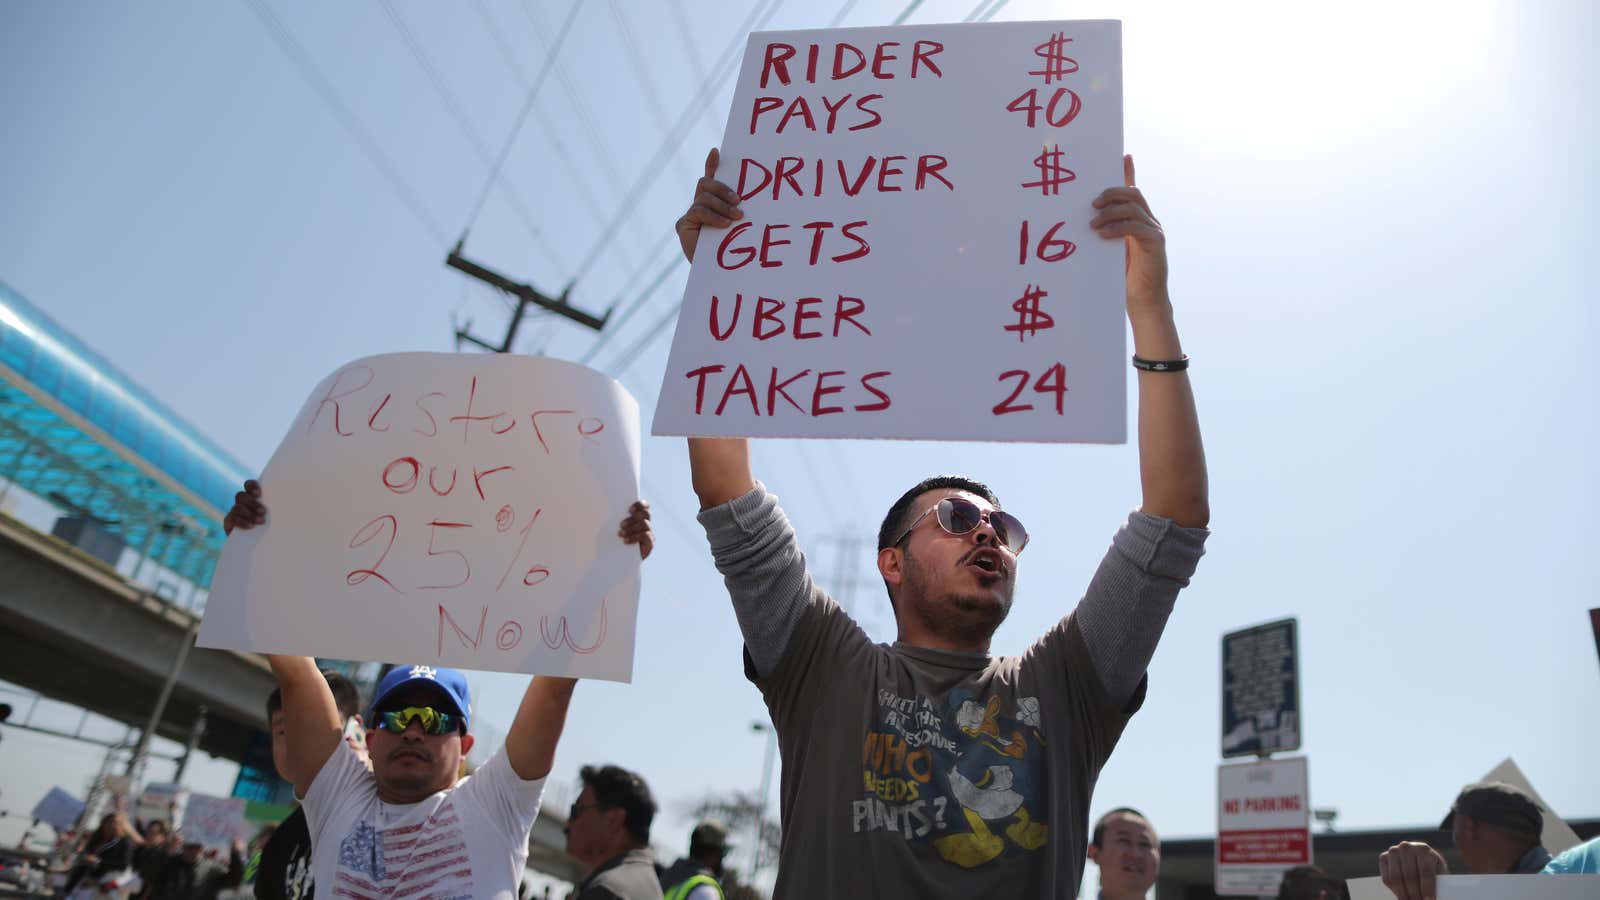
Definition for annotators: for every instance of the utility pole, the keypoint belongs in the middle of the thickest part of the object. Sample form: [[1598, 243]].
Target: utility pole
[[844, 589], [845, 575], [195, 733], [525, 295], [141, 750]]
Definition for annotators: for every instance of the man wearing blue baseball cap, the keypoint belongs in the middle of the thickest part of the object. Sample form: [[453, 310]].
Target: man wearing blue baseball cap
[[411, 821]]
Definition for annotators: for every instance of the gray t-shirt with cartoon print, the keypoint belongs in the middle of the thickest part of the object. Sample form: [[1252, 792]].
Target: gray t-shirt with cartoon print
[[919, 773]]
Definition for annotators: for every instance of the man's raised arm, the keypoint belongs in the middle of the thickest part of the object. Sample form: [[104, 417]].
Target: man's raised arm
[[531, 742], [1172, 461], [720, 467], [311, 722]]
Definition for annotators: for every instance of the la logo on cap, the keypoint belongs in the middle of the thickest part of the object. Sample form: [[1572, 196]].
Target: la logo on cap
[[424, 672]]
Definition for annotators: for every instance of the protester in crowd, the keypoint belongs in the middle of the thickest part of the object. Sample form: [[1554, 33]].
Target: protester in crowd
[[1583, 859], [1495, 826], [284, 869], [106, 857], [149, 857], [187, 873], [411, 823], [1125, 848], [1311, 883], [695, 877], [929, 768], [608, 832]]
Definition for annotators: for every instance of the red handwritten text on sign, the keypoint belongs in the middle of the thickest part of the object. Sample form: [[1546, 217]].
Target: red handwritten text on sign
[[501, 441]]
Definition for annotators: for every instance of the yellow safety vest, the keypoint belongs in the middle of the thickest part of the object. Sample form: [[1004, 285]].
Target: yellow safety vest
[[682, 890]]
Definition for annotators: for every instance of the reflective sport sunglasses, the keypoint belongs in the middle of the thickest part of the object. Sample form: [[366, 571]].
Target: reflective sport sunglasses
[[434, 721], [958, 515]]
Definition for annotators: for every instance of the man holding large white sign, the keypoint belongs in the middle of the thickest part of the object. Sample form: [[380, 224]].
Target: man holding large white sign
[[928, 768], [470, 453]]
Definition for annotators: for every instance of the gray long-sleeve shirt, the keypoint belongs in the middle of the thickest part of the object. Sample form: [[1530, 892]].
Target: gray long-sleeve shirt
[[912, 772]]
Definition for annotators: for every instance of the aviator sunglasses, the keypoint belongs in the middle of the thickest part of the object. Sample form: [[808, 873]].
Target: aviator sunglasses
[[434, 721], [958, 515]]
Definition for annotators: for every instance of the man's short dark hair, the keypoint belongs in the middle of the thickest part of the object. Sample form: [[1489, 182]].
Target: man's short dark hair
[[345, 696], [1098, 838], [896, 520], [616, 788]]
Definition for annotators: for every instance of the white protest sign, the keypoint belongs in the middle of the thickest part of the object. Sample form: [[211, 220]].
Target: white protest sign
[[214, 821], [1263, 824], [161, 801], [915, 259], [58, 809], [1557, 835], [445, 509], [1491, 887]]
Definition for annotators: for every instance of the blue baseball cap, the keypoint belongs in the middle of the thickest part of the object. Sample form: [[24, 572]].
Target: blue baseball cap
[[451, 681]]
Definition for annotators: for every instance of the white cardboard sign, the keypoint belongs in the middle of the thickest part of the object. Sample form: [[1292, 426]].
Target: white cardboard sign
[[1492, 887], [161, 801], [1557, 835], [214, 821], [446, 509], [1263, 824], [915, 259], [58, 809]]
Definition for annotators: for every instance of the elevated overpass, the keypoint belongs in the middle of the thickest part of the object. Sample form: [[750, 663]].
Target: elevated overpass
[[75, 630]]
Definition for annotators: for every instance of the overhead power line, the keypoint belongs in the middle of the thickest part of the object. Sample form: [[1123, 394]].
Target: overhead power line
[[330, 97], [906, 13], [533, 94], [669, 145], [575, 176], [464, 124], [636, 60]]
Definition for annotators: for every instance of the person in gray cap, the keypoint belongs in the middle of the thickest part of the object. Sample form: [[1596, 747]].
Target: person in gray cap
[[1496, 827], [696, 876]]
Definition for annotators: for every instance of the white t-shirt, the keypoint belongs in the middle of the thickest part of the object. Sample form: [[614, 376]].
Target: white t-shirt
[[464, 843]]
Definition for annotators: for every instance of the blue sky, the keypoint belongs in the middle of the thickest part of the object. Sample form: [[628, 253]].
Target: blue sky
[[1383, 258]]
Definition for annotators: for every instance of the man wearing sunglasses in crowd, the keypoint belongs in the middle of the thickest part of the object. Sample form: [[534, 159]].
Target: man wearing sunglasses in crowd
[[928, 768], [410, 824]]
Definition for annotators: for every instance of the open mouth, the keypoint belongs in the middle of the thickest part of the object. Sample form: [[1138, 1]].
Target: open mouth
[[987, 561]]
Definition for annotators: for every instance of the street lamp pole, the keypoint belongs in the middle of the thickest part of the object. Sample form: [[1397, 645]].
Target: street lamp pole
[[761, 798]]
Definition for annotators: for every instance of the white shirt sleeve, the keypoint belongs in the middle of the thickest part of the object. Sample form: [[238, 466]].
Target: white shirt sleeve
[[343, 780], [511, 802]]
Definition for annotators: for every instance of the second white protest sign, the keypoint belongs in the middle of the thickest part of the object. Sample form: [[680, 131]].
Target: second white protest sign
[[915, 259], [446, 509]]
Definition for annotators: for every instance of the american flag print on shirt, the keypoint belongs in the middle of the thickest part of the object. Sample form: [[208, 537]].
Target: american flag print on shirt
[[424, 861]]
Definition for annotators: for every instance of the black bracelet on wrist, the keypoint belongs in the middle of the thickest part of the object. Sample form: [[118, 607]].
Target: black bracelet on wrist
[[1161, 365]]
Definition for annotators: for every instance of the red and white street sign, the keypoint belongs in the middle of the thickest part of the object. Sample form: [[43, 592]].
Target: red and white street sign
[[1263, 825]]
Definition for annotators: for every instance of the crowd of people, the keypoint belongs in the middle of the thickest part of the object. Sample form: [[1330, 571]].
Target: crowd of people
[[925, 768], [154, 862]]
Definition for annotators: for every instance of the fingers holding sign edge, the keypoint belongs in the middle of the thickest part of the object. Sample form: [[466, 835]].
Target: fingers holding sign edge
[[635, 529], [714, 204], [248, 510]]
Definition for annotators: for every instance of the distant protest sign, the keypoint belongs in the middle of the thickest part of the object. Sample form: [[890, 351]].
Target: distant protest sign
[[214, 821], [915, 259], [443, 508], [58, 809], [1491, 887], [161, 801]]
